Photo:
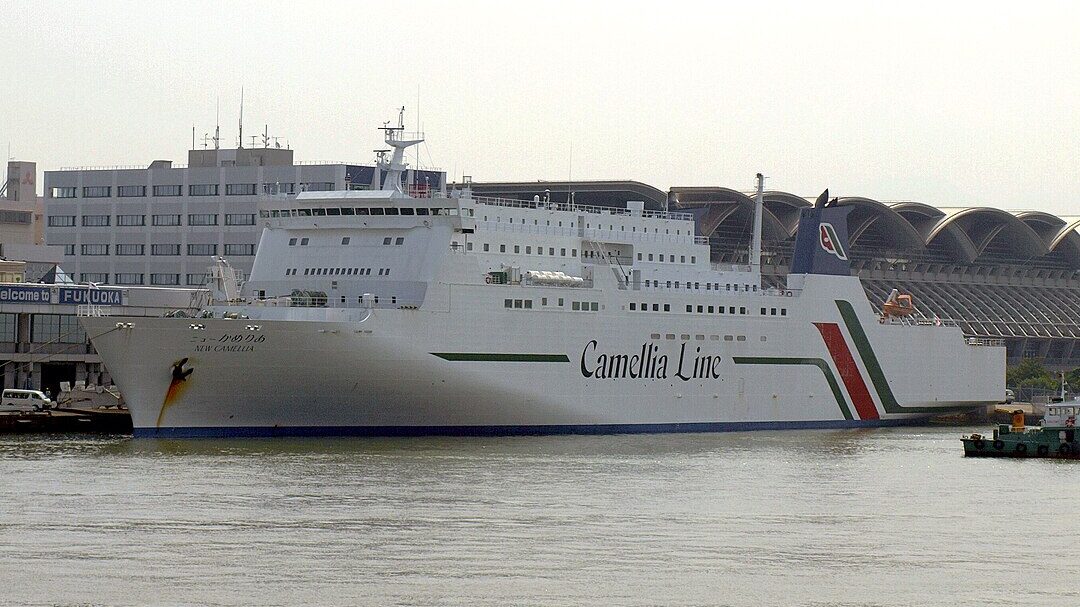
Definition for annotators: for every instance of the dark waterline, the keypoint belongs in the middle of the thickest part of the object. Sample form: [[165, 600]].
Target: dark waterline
[[831, 517]]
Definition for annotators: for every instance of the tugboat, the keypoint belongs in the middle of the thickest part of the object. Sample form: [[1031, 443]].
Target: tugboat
[[1055, 438]]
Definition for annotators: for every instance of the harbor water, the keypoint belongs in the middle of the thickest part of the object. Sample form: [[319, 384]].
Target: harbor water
[[823, 518]]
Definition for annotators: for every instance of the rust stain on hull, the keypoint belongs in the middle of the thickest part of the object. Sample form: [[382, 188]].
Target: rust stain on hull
[[176, 386]]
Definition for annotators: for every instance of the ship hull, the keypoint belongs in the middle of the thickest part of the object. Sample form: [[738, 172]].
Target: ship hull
[[413, 372]]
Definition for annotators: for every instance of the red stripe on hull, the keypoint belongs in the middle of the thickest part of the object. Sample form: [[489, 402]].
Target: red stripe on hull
[[849, 371]]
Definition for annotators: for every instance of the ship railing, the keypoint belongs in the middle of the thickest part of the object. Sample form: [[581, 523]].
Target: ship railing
[[985, 341], [578, 208]]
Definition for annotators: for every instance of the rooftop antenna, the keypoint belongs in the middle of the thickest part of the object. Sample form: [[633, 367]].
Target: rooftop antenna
[[242, 118], [193, 136], [217, 126], [755, 240], [266, 135]]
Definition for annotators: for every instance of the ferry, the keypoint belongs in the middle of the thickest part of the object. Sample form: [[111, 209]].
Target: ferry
[[404, 312]]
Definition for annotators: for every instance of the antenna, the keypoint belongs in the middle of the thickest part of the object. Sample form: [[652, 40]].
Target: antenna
[[217, 126], [266, 135], [570, 176], [193, 136], [242, 118]]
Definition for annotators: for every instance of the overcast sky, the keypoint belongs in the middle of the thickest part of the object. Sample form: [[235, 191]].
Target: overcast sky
[[949, 104]]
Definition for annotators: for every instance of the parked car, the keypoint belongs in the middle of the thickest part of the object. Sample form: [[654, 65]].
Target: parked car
[[24, 401]]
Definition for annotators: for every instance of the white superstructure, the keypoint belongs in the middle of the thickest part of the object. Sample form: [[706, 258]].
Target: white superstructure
[[373, 312]]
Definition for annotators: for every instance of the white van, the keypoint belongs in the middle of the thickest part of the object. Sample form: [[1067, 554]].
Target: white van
[[24, 400]]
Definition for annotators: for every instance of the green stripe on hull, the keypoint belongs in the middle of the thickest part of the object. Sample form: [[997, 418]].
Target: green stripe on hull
[[817, 362], [502, 358], [873, 367]]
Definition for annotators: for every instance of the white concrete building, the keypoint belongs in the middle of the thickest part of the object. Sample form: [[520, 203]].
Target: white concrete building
[[161, 224]]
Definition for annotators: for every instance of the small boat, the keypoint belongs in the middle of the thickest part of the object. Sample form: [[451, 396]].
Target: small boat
[[1055, 438], [898, 305]]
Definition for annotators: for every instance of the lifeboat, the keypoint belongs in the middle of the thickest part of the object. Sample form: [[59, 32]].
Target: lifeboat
[[898, 305]]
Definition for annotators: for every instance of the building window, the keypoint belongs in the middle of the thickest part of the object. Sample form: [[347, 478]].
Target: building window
[[166, 220], [129, 249], [131, 191], [164, 279], [97, 191], [345, 240], [164, 249], [387, 240], [203, 189], [303, 242], [205, 219], [61, 328], [9, 324], [241, 219], [95, 249], [168, 190], [63, 192], [316, 186], [239, 189], [196, 279], [61, 221], [279, 188], [69, 249], [131, 220], [202, 249], [93, 277], [128, 278], [239, 249], [95, 220], [399, 240]]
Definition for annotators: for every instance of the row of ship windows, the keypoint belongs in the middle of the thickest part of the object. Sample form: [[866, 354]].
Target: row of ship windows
[[196, 219], [335, 211], [389, 240], [135, 278], [201, 189], [699, 337], [709, 286], [161, 249], [669, 258], [528, 250], [704, 309], [588, 226], [577, 306], [336, 271]]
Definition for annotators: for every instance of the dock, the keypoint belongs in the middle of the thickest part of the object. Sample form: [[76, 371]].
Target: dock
[[104, 421]]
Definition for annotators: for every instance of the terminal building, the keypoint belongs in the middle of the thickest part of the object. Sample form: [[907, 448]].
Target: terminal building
[[159, 224], [1012, 276]]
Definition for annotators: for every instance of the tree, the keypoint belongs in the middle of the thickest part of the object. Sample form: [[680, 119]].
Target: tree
[[1030, 373]]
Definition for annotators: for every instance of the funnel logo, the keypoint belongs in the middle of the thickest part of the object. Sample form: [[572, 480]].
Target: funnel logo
[[830, 241]]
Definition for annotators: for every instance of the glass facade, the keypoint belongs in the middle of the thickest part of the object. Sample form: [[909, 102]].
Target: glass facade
[[56, 328]]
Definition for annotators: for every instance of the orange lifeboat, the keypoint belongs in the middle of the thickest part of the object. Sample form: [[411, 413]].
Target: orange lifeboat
[[898, 305]]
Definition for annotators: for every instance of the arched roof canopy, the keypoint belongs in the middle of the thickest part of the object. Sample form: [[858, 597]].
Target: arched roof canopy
[[1047, 226], [786, 208], [867, 213], [984, 225], [727, 206], [601, 193], [1067, 242]]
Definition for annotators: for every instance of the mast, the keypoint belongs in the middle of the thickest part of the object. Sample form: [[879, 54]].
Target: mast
[[398, 140], [755, 240]]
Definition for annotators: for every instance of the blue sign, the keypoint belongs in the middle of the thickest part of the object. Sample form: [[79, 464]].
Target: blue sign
[[20, 294], [84, 295]]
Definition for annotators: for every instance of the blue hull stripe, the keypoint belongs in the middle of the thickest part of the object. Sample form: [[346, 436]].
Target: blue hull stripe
[[538, 430]]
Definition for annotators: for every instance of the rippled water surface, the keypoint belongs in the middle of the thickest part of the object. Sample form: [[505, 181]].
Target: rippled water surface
[[829, 518]]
